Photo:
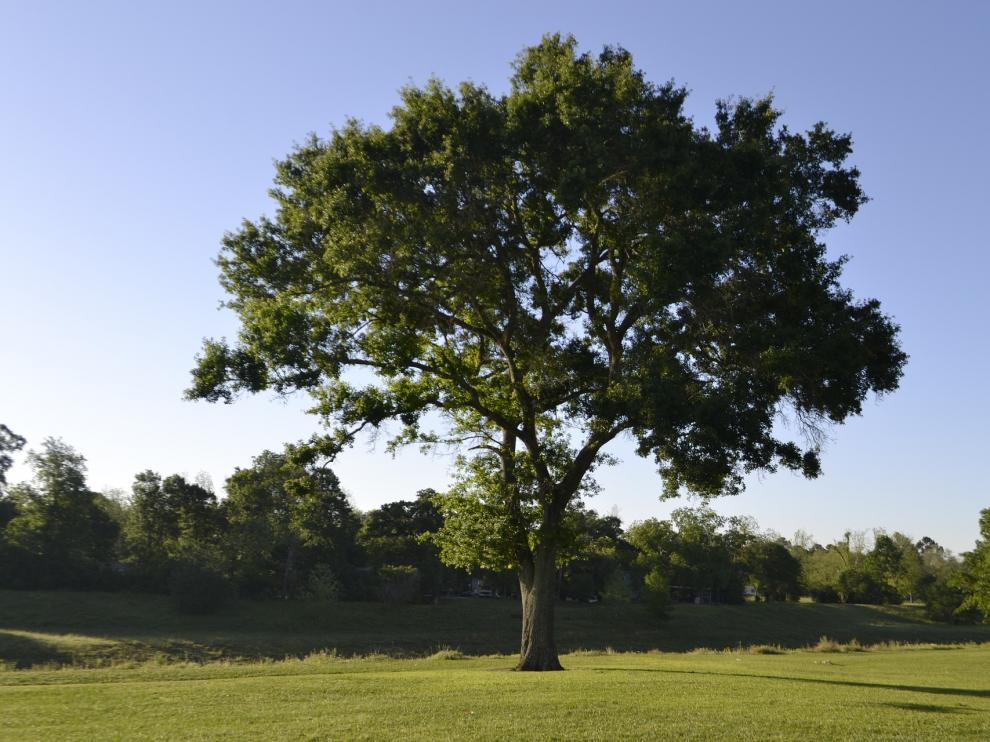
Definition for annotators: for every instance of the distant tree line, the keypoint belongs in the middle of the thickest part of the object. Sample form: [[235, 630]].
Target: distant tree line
[[286, 530]]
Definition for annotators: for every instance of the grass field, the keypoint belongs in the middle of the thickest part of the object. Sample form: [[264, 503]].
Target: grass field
[[117, 666], [882, 694]]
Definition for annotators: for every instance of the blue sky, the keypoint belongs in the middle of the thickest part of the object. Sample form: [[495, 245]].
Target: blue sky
[[132, 135]]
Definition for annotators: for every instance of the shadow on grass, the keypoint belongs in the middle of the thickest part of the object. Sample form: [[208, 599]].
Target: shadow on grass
[[929, 708], [933, 690], [26, 651]]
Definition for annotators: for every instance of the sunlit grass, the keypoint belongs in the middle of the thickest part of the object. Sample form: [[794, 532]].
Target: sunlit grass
[[889, 693]]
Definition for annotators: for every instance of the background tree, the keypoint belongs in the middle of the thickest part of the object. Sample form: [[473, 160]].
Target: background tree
[[571, 261], [654, 541], [773, 570], [394, 535], [911, 576], [10, 443], [974, 577], [708, 553], [938, 564], [599, 562], [284, 517], [166, 518], [60, 536], [887, 563]]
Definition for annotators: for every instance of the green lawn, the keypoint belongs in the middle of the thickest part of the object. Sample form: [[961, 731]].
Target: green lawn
[[119, 666], [883, 694], [99, 628]]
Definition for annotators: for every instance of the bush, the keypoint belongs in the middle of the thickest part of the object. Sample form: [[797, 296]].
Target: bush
[[322, 585], [861, 586], [198, 588], [656, 592], [617, 588], [398, 583], [824, 594], [944, 603], [580, 586]]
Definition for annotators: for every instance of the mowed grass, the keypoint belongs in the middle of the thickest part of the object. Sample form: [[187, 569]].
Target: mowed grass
[[904, 693], [94, 629], [90, 666]]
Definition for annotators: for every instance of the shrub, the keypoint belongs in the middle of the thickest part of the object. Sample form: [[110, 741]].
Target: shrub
[[617, 588], [656, 592], [398, 583], [579, 586], [322, 585], [824, 594], [862, 586], [944, 603], [197, 587]]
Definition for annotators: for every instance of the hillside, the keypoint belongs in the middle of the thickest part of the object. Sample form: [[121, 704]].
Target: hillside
[[97, 628]]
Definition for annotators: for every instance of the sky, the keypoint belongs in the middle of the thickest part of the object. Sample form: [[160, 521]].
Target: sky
[[133, 135]]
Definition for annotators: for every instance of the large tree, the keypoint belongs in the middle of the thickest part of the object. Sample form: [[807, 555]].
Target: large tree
[[553, 267]]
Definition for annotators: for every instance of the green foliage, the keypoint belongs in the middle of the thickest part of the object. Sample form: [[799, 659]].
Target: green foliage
[[322, 585], [825, 594], [599, 559], [400, 533], [863, 585], [165, 518], [700, 552], [656, 592], [479, 527], [574, 253], [283, 517], [773, 570], [974, 578], [617, 588], [887, 563], [10, 443], [944, 602], [197, 585], [398, 583], [60, 536], [821, 566]]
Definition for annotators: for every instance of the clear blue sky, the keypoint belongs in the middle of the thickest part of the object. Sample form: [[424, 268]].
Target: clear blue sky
[[133, 134]]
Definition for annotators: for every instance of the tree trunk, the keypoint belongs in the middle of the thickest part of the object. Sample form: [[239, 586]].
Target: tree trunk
[[537, 587]]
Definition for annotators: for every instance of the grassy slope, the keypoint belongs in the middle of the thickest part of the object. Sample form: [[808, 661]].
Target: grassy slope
[[885, 694], [94, 628]]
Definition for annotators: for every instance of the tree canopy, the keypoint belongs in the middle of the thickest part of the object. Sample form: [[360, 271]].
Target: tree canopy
[[58, 530], [550, 268], [10, 442]]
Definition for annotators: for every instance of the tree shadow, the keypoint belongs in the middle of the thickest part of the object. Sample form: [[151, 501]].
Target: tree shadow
[[135, 627], [25, 651], [929, 708], [934, 690]]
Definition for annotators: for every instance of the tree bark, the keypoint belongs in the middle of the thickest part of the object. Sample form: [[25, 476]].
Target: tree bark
[[538, 588]]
